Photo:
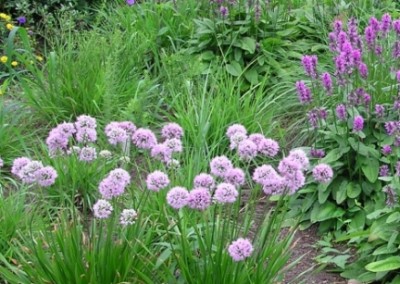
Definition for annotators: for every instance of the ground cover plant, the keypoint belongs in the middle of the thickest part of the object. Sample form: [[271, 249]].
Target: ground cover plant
[[97, 185], [359, 137]]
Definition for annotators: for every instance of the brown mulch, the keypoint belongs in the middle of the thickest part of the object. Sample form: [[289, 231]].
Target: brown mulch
[[304, 247]]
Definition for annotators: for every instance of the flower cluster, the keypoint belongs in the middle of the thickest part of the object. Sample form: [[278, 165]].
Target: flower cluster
[[248, 147], [114, 183], [33, 172]]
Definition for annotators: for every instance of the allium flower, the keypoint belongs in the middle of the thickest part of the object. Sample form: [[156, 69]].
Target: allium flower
[[341, 112], [157, 180], [130, 2], [264, 173], [235, 139], [128, 126], [87, 154], [384, 171], [247, 150], [322, 173], [102, 209], [172, 130], [204, 180], [235, 128], [379, 110], [116, 135], [303, 92], [173, 164], [174, 145], [46, 176], [327, 82], [85, 121], [398, 76], [66, 128], [386, 150], [310, 64], [220, 165], [28, 173], [226, 193], [358, 123], [144, 138], [299, 156], [240, 249], [177, 197], [128, 217], [256, 138], [317, 153], [18, 164], [86, 135], [114, 183], [294, 181], [268, 147], [275, 185], [235, 176], [288, 167], [161, 152], [105, 154], [57, 141], [199, 198]]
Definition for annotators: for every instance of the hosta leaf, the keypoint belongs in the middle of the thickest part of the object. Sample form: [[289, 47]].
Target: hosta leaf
[[322, 212], [388, 264], [353, 190], [370, 169]]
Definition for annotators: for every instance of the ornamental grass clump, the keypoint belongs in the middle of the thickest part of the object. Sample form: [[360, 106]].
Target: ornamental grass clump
[[353, 118]]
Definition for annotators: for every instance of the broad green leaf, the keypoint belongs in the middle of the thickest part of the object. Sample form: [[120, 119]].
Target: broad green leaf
[[332, 156], [394, 217], [234, 69], [251, 75], [388, 264], [323, 195], [328, 210], [353, 190], [248, 44], [341, 193], [370, 169]]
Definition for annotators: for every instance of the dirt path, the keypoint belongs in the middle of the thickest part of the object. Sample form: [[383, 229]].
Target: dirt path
[[304, 242]]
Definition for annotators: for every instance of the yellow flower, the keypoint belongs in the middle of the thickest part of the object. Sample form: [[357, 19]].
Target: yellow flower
[[1, 92], [39, 58], [4, 59], [14, 63], [3, 16], [9, 26]]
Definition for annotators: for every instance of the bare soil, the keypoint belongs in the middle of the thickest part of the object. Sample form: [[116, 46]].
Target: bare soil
[[304, 246]]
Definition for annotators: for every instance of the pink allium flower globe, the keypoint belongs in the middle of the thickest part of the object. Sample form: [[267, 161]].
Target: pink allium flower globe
[[240, 249], [102, 209], [322, 173], [220, 165], [157, 180], [177, 197], [226, 193], [128, 217], [204, 180], [199, 198]]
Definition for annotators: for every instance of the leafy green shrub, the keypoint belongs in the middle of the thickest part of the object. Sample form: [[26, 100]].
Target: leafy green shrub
[[360, 137], [257, 41]]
